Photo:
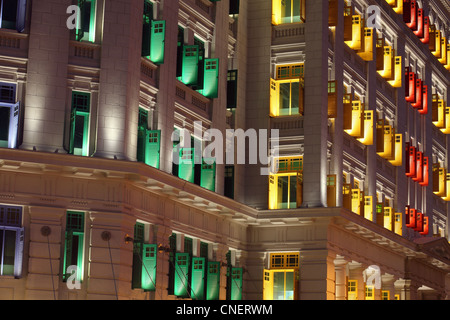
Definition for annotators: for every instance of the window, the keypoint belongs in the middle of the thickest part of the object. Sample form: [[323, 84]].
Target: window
[[352, 290], [85, 30], [210, 78], [281, 280], [232, 87], [370, 293], [208, 174], [79, 124], [11, 241], [153, 35], [288, 11], [149, 142], [13, 14], [144, 261], [213, 281], [287, 91], [229, 182], [385, 295], [285, 187], [198, 278], [74, 244], [9, 116], [181, 278]]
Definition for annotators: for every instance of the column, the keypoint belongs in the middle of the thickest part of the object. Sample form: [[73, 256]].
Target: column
[[340, 267], [120, 72], [317, 276], [316, 102], [48, 57]]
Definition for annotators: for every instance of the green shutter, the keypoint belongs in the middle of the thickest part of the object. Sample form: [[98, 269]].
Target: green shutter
[[86, 25], [158, 36], [186, 164], [213, 281], [208, 175], [181, 276], [152, 148], [149, 267], [198, 279], [189, 74], [74, 243], [236, 284], [210, 78]]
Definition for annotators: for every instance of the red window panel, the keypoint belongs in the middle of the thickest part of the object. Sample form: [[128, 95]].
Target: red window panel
[[420, 23], [413, 8], [407, 208], [425, 226], [419, 222], [425, 172], [419, 167], [424, 109], [410, 86], [426, 30], [412, 218], [418, 93], [412, 162]]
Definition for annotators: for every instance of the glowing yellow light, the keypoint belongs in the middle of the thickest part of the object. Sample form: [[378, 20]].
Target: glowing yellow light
[[368, 128], [398, 152], [398, 7], [437, 53], [367, 48], [368, 207], [446, 129], [387, 72], [446, 197], [398, 223], [439, 181], [398, 73], [444, 58], [357, 120], [438, 116], [387, 213], [355, 43], [356, 201], [388, 151]]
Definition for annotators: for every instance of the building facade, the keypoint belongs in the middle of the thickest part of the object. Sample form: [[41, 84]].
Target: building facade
[[108, 109]]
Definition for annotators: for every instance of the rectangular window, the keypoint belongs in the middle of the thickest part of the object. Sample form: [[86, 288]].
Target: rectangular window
[[281, 280], [288, 11], [13, 14], [232, 87], [79, 124], [149, 142], [85, 30], [153, 35], [352, 290], [370, 293], [144, 261], [287, 91], [229, 182], [11, 241], [190, 65], [74, 244], [285, 187]]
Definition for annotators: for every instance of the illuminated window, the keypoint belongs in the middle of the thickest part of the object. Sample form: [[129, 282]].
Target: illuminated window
[[74, 244], [385, 295], [352, 290], [281, 280], [144, 261], [153, 35], [11, 241], [370, 293], [287, 91], [285, 187], [288, 11], [79, 124], [149, 142], [85, 30], [9, 116], [234, 280]]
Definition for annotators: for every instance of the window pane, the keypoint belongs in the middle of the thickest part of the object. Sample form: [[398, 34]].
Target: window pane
[[283, 189], [285, 93], [289, 285], [9, 12], [278, 286], [79, 132], [295, 97], [296, 11], [293, 192], [4, 125], [9, 252]]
